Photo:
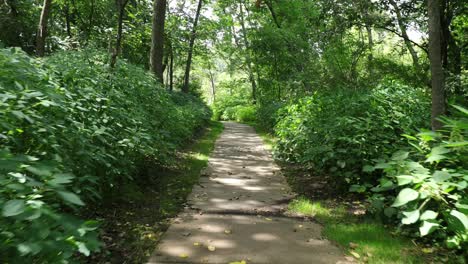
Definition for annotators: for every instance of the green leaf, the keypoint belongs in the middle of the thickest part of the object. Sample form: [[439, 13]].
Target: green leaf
[[61, 178], [13, 207], [410, 217], [460, 217], [404, 179], [461, 109], [436, 154], [405, 196], [428, 215], [368, 168], [71, 197], [462, 207], [441, 176], [390, 211], [400, 155], [40, 170], [82, 248], [427, 228]]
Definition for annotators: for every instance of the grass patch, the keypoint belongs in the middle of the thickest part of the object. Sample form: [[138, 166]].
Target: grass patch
[[360, 236], [134, 218]]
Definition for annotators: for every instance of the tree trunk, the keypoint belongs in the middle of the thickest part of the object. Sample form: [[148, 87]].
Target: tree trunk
[[118, 44], [185, 88], [404, 34], [435, 57], [213, 88], [42, 29], [247, 52], [67, 20], [157, 39], [171, 68]]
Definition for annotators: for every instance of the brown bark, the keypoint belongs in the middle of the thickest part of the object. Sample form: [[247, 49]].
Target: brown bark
[[435, 57], [118, 43], [185, 88], [157, 39], [42, 28]]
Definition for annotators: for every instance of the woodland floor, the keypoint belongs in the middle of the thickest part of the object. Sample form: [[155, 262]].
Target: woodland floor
[[238, 212]]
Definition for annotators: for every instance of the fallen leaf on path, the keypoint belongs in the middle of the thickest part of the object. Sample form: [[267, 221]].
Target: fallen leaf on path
[[211, 248], [196, 244], [183, 255], [355, 254], [227, 231], [238, 262], [268, 219]]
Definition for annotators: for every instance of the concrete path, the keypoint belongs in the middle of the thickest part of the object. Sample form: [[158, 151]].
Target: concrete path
[[234, 213]]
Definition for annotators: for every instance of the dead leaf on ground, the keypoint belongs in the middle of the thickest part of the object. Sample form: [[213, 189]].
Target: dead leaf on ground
[[211, 248], [355, 254]]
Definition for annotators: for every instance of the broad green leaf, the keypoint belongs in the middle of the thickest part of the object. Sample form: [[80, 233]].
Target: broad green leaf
[[410, 217], [13, 207], [461, 217], [40, 170], [428, 215], [427, 228], [82, 248], [437, 154], [400, 155], [441, 176], [404, 179], [405, 196], [462, 207], [61, 178], [70, 197]]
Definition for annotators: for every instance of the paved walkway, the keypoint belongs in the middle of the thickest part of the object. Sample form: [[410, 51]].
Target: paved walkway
[[234, 213]]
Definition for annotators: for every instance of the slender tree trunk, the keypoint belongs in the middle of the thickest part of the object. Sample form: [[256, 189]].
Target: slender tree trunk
[[435, 57], [42, 28], [171, 68], [247, 52], [404, 34], [67, 20], [157, 39], [185, 88], [118, 43], [273, 13], [213, 88]]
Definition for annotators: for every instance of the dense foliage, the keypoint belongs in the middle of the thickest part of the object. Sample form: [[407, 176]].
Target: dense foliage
[[72, 129], [338, 132], [425, 184]]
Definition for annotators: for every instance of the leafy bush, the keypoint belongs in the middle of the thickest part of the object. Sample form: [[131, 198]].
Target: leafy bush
[[68, 133], [225, 108], [425, 186], [267, 115], [340, 131], [245, 113]]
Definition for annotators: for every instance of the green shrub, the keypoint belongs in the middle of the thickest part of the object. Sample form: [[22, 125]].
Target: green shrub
[[424, 186], [245, 113], [227, 104], [68, 133], [267, 115], [338, 132]]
